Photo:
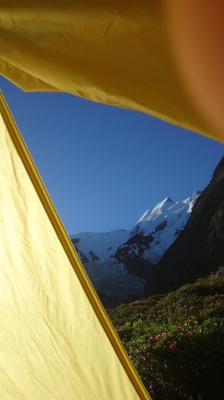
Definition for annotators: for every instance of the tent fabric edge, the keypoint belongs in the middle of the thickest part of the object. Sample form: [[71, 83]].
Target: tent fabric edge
[[69, 249]]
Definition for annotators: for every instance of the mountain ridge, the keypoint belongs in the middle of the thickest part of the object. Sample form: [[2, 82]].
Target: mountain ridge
[[118, 262], [199, 249]]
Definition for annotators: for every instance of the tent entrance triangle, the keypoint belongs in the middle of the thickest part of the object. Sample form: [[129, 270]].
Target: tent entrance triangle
[[56, 339]]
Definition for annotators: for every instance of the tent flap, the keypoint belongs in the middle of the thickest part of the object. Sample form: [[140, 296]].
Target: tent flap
[[114, 52], [56, 340]]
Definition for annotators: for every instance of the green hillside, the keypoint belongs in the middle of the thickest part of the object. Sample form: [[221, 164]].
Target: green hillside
[[176, 341]]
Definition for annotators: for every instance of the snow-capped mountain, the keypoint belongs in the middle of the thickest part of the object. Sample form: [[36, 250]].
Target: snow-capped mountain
[[92, 246], [163, 224], [199, 249], [118, 262]]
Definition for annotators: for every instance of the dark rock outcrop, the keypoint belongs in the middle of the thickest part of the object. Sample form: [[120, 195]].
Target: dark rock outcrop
[[131, 255], [199, 248]]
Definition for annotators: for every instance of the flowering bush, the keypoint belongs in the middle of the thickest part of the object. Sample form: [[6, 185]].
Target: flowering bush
[[178, 346], [172, 347]]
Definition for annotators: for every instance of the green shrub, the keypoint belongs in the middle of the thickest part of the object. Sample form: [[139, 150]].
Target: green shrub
[[176, 341]]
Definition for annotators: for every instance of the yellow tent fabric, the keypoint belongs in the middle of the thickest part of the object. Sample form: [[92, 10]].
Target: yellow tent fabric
[[112, 51], [56, 341]]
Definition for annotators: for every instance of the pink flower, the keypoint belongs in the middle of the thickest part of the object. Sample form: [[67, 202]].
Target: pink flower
[[179, 328], [163, 334], [150, 339], [172, 347], [158, 336]]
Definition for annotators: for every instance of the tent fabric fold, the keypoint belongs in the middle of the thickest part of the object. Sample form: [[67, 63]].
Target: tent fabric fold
[[55, 338], [114, 52]]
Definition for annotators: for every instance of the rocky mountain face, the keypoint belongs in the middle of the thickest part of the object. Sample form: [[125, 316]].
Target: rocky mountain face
[[156, 230], [119, 262], [199, 248]]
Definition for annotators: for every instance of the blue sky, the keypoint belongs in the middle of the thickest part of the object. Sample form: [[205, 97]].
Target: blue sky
[[103, 166]]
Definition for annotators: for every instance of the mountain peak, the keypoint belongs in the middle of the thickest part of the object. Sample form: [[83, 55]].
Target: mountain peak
[[168, 200], [167, 207], [124, 258], [199, 249]]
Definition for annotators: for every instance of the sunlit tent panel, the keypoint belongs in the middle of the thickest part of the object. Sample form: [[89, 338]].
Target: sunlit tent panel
[[56, 341], [115, 52]]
